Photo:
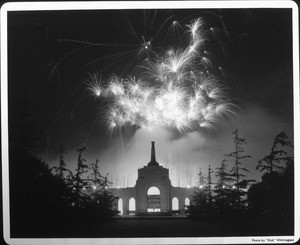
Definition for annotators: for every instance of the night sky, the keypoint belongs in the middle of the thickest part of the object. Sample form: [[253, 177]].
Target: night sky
[[253, 47]]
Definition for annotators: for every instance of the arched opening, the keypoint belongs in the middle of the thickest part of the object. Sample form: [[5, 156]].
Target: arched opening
[[131, 205], [187, 203], [153, 199], [175, 204], [153, 191], [120, 206]]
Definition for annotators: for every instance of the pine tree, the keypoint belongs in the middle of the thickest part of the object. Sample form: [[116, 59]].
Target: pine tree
[[223, 177], [96, 179], [273, 196], [198, 207], [100, 200], [237, 171], [62, 165], [273, 161], [202, 206], [77, 182], [209, 186], [201, 179], [106, 182], [222, 190]]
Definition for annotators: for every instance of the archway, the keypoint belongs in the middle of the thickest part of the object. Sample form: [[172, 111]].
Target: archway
[[175, 204], [131, 205], [187, 203], [120, 206], [153, 199]]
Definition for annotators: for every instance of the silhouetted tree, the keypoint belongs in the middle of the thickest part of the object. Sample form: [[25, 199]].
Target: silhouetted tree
[[201, 179], [100, 201], [238, 172], [201, 207], [61, 169], [273, 161], [95, 177], [98, 181], [101, 205], [35, 193], [223, 191], [223, 177], [209, 186], [107, 183], [198, 208], [76, 181], [273, 197]]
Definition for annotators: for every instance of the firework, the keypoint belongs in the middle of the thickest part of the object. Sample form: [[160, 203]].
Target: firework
[[94, 86], [175, 89]]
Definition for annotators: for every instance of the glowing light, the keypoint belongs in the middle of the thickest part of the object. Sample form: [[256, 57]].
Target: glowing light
[[94, 187], [188, 186], [200, 186]]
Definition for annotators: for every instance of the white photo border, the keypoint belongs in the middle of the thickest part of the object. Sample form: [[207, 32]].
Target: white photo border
[[110, 5]]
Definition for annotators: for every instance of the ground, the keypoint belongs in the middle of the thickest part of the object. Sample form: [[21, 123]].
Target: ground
[[152, 227]]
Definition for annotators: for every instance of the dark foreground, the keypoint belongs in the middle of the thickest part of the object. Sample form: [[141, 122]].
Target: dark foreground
[[154, 227]]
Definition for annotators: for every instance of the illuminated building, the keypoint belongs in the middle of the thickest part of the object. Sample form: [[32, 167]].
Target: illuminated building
[[153, 192]]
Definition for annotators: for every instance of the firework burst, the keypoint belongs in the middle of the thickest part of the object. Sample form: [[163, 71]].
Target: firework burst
[[94, 86], [175, 89]]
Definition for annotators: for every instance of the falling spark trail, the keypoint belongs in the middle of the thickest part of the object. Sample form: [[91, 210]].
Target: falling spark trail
[[66, 56], [95, 44], [161, 27], [111, 64], [130, 26], [116, 56], [88, 45], [90, 130], [58, 117]]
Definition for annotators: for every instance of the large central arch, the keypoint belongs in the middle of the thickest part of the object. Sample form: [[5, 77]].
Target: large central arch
[[153, 199]]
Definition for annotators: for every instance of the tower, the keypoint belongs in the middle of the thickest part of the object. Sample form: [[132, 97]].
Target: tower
[[153, 161]]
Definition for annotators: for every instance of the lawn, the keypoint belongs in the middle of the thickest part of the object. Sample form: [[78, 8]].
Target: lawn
[[154, 227]]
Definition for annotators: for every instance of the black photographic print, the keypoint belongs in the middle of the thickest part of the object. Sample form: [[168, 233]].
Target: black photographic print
[[150, 122]]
